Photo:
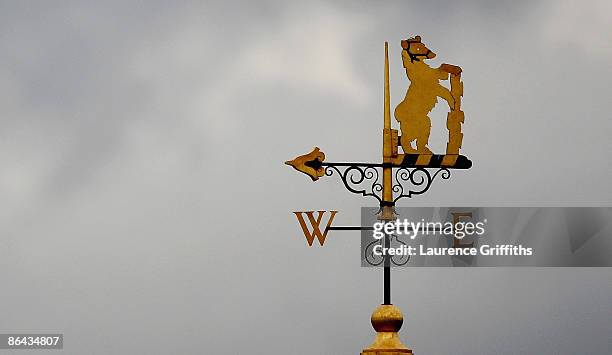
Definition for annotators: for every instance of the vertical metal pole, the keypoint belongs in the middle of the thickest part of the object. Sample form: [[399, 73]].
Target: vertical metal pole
[[387, 276], [387, 205], [387, 144]]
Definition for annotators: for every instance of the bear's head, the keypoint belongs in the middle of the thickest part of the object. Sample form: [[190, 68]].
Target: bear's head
[[416, 49]]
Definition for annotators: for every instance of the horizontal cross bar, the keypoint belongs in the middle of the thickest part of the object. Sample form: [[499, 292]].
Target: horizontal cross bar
[[371, 228], [350, 228], [430, 161], [374, 165]]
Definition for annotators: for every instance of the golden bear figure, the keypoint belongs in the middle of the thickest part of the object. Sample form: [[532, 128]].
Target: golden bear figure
[[422, 95]]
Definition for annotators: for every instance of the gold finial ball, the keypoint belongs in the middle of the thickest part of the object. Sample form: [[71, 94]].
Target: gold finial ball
[[387, 318]]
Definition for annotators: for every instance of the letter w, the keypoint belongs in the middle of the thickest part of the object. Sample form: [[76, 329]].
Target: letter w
[[316, 225]]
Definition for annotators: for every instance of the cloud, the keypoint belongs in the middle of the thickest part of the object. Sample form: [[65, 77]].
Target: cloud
[[311, 50], [583, 26], [306, 51]]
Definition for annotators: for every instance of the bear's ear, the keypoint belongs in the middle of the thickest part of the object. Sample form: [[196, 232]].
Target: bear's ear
[[405, 44], [417, 38]]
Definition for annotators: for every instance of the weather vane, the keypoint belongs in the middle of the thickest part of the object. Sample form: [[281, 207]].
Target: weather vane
[[404, 174]]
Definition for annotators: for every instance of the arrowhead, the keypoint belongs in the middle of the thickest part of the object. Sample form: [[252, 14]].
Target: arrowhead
[[309, 164]]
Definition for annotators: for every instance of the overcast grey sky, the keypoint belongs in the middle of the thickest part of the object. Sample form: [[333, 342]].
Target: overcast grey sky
[[146, 210]]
